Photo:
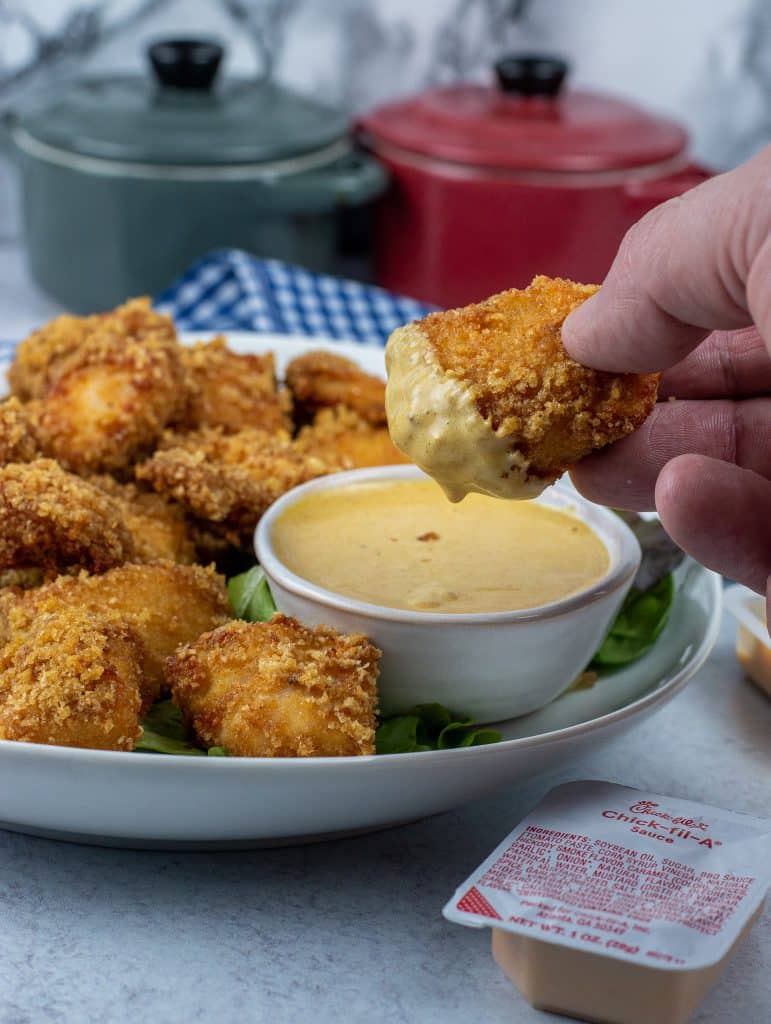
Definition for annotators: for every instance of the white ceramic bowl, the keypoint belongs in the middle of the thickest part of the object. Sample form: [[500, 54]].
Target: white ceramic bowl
[[491, 666]]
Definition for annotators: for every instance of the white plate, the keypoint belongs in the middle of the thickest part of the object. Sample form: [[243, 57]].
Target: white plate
[[147, 800]]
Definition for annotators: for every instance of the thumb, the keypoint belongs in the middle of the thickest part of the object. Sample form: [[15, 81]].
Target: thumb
[[682, 271]]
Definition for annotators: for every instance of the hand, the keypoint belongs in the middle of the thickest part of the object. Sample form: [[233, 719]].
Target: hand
[[690, 293]]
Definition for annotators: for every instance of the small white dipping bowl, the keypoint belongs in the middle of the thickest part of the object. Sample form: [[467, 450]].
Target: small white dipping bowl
[[489, 665]]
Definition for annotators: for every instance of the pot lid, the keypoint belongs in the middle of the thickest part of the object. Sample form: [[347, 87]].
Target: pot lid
[[528, 122], [181, 115]]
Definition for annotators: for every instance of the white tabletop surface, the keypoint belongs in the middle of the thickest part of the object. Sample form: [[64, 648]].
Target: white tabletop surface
[[348, 931]]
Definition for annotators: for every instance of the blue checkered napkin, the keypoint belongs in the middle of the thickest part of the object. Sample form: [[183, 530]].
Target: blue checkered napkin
[[231, 290]]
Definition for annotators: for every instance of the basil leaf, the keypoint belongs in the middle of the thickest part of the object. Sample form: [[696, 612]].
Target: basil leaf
[[217, 752], [637, 626], [250, 595]]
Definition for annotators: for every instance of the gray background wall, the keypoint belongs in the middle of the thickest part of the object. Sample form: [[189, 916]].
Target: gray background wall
[[707, 62]]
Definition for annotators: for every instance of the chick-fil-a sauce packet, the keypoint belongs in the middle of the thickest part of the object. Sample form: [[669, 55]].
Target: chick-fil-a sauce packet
[[610, 870]]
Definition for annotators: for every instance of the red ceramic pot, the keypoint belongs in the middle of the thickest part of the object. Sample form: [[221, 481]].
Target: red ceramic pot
[[494, 185]]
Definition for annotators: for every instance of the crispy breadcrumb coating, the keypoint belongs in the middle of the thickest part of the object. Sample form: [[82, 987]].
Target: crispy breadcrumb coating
[[165, 604], [159, 526], [508, 351], [72, 679], [278, 689], [341, 436], [233, 391], [18, 442], [20, 579], [229, 480], [40, 356], [321, 380], [111, 402], [53, 520], [213, 548]]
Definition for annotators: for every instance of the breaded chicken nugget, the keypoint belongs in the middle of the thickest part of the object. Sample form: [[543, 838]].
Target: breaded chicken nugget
[[165, 604], [71, 679], [159, 526], [18, 442], [20, 579], [40, 356], [322, 380], [341, 436], [53, 520], [278, 689], [228, 480], [110, 402], [233, 391], [486, 398]]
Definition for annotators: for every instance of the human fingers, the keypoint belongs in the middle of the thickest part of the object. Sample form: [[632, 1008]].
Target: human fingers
[[719, 514], [727, 364], [692, 265], [624, 475]]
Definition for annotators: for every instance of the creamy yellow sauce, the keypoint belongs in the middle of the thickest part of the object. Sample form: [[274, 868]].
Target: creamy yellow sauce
[[401, 544], [434, 420]]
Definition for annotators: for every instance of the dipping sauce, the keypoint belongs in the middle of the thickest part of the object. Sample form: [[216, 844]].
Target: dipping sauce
[[433, 418], [609, 904], [401, 544], [753, 647]]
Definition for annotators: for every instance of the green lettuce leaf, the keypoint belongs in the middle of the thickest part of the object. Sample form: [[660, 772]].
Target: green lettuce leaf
[[165, 732], [153, 743], [399, 735], [250, 595], [429, 727], [637, 626]]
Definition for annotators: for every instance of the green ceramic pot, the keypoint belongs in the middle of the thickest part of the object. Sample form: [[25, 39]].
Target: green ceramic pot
[[126, 181]]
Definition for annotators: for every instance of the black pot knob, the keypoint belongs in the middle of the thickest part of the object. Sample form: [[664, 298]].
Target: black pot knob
[[186, 63], [530, 74]]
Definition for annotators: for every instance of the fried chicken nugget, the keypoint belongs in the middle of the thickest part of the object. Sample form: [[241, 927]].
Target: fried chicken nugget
[[111, 402], [234, 391], [18, 442], [486, 398], [278, 689], [341, 436], [71, 679], [40, 356], [20, 579], [229, 480], [165, 604], [158, 525], [53, 520], [321, 380]]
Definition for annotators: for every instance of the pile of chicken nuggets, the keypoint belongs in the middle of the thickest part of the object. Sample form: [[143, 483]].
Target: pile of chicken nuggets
[[131, 468]]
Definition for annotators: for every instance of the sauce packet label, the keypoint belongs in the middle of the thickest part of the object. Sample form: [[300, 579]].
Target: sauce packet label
[[603, 868]]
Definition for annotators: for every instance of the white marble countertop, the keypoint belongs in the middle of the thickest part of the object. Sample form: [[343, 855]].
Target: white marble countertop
[[343, 931]]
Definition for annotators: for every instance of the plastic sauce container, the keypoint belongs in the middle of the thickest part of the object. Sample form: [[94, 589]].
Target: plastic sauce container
[[753, 644], [613, 905]]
